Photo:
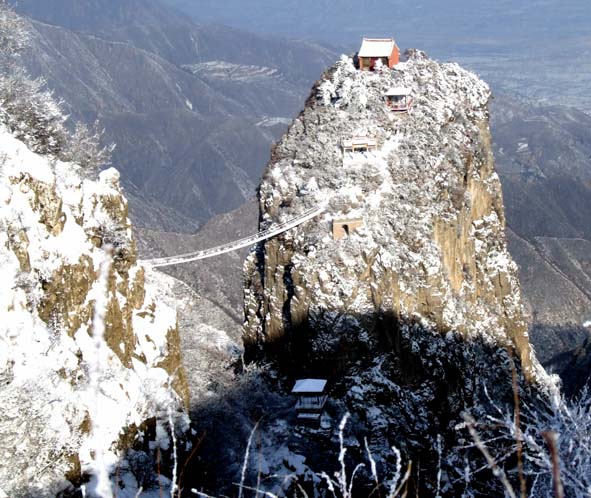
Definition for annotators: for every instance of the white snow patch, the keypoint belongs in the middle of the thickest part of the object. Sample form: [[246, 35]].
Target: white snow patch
[[45, 399]]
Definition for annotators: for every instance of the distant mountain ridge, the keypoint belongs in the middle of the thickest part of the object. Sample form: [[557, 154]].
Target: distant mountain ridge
[[543, 155], [188, 144], [157, 28], [538, 48], [452, 24]]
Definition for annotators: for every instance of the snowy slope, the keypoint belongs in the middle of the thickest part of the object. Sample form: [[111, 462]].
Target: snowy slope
[[64, 397], [208, 349]]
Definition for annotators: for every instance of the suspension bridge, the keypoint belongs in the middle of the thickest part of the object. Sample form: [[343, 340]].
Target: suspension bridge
[[237, 244]]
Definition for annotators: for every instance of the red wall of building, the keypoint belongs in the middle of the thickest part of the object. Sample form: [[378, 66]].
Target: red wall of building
[[394, 57], [367, 63]]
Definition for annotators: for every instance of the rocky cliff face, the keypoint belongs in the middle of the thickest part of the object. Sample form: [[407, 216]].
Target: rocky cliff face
[[417, 307], [432, 243], [64, 397]]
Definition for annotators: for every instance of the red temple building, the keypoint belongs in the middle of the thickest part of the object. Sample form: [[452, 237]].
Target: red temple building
[[374, 49]]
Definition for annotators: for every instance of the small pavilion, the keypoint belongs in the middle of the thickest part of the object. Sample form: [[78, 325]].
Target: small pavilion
[[374, 49], [399, 99], [359, 144], [312, 397]]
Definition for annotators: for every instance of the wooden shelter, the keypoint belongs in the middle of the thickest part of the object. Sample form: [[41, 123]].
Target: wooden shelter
[[345, 227], [359, 144], [374, 49], [312, 397], [398, 99]]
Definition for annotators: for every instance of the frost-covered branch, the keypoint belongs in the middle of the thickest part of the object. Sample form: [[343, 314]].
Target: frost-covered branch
[[344, 484], [492, 463], [555, 446], [85, 147], [14, 36], [246, 458]]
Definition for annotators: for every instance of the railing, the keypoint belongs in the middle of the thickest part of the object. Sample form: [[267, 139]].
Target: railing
[[237, 244], [311, 403]]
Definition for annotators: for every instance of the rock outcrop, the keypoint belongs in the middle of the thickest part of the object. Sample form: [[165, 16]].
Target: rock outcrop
[[432, 243], [416, 308], [56, 228]]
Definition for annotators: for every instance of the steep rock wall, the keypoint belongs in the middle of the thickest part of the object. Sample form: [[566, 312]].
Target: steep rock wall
[[433, 243], [416, 316], [55, 229]]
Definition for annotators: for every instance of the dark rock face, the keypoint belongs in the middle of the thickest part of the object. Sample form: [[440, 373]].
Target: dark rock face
[[576, 369], [409, 395], [413, 398]]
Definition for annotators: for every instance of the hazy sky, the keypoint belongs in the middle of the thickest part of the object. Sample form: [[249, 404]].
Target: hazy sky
[[436, 25]]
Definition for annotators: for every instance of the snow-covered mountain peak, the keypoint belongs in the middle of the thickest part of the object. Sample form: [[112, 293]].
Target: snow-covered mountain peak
[[402, 293], [422, 208]]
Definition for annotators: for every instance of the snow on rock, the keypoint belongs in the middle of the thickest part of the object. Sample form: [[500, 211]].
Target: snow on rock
[[55, 227], [207, 349], [432, 242], [411, 314]]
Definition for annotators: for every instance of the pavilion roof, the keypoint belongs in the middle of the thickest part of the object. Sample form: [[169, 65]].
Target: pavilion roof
[[377, 47], [309, 386], [398, 91]]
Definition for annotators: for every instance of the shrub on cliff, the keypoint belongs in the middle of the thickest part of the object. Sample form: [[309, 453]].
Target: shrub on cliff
[[540, 449]]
